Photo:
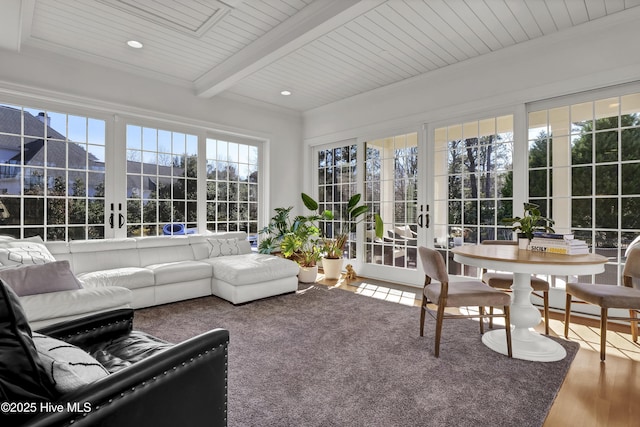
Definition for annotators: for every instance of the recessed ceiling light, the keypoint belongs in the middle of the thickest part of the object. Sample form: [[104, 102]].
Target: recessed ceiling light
[[285, 93], [135, 44]]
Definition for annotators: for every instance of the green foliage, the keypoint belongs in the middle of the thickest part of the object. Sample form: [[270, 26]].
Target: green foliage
[[530, 222], [278, 226], [600, 154], [295, 239], [333, 246]]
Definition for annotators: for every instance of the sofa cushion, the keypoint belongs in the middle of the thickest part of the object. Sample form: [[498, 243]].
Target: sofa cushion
[[252, 268], [68, 367], [22, 375], [96, 255], [199, 246], [127, 349], [61, 252], [180, 271], [126, 277], [41, 278], [24, 252], [53, 305], [161, 249]]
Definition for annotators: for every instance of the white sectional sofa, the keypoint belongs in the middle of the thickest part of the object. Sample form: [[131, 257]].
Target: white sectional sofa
[[149, 271]]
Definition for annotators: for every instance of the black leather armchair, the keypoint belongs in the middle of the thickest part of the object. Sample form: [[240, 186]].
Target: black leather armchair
[[183, 384]]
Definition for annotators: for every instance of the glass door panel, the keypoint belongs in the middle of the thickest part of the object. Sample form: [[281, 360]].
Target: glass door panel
[[473, 185], [391, 189]]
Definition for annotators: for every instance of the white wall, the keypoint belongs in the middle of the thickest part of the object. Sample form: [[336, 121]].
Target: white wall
[[592, 55], [36, 74]]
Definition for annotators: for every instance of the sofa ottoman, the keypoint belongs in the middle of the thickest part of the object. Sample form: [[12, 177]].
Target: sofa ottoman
[[247, 277]]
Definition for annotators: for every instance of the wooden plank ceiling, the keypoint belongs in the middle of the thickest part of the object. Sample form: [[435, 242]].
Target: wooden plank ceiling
[[320, 50]]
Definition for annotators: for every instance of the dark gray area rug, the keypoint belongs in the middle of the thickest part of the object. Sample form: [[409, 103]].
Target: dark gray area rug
[[328, 357]]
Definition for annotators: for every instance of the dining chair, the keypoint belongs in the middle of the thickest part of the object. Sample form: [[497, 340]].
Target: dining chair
[[504, 281], [626, 296], [446, 294]]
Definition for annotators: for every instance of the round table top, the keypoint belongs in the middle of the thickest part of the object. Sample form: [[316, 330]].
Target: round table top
[[510, 258], [511, 253]]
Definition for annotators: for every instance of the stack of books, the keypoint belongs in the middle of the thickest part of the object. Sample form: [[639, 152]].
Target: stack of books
[[558, 243]]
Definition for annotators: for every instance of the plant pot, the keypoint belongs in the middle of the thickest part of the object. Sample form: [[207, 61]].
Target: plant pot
[[523, 242], [332, 268], [308, 274]]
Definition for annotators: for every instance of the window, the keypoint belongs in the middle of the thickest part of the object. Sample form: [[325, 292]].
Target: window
[[161, 180], [584, 163], [337, 174], [52, 174], [473, 183], [58, 168], [232, 187]]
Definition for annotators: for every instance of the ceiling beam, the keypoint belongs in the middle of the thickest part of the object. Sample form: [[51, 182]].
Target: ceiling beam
[[15, 23], [315, 20]]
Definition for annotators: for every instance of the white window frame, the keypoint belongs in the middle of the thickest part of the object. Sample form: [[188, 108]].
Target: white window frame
[[116, 119], [260, 145], [568, 101]]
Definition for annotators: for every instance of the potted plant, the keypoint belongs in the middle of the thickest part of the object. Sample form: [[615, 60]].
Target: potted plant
[[295, 239], [301, 245], [279, 225], [333, 246], [308, 262], [531, 221]]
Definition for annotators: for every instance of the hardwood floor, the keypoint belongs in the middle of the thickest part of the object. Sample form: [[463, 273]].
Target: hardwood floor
[[593, 394]]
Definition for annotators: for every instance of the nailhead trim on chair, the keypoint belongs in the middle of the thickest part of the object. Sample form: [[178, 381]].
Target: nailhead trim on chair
[[103, 326], [155, 378]]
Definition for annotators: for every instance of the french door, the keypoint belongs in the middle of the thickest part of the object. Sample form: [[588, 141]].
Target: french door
[[473, 184], [442, 186], [385, 171]]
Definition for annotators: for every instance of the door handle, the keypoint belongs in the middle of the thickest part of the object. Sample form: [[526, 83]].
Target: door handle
[[121, 220], [428, 221], [420, 220], [111, 220]]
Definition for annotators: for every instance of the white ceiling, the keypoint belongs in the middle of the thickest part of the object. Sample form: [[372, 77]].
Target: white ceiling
[[321, 50]]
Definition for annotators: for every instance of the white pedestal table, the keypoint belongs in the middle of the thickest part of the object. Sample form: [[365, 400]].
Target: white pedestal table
[[526, 343]]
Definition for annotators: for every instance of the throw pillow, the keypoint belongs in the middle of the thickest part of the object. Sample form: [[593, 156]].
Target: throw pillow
[[22, 375], [67, 366], [221, 247], [39, 279], [27, 251]]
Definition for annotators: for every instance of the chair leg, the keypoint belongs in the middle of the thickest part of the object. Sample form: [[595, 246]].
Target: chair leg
[[507, 321], [603, 333], [491, 318], [567, 316], [545, 298], [634, 324], [439, 319], [481, 311], [423, 309]]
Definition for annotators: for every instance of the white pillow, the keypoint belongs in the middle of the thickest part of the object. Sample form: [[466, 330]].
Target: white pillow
[[29, 251], [222, 247], [67, 366]]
